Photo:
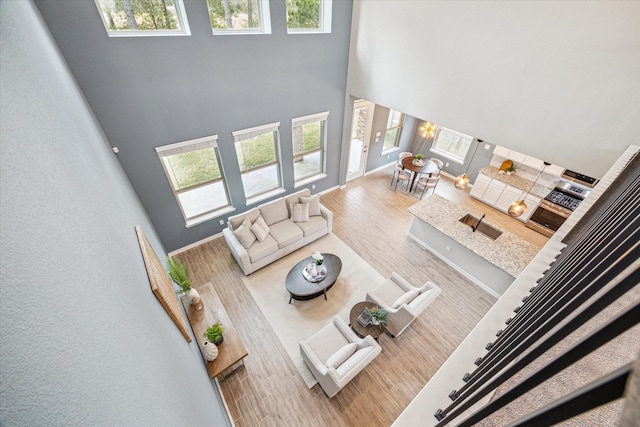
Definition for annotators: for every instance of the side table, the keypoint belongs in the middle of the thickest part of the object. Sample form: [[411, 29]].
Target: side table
[[362, 331]]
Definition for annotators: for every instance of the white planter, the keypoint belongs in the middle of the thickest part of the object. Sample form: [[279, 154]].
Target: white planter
[[191, 294], [210, 351]]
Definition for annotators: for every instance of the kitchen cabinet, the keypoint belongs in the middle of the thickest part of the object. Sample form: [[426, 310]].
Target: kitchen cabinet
[[501, 151], [509, 195], [493, 192], [518, 158], [480, 186], [532, 162]]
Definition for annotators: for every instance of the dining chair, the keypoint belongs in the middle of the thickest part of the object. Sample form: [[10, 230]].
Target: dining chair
[[404, 176], [438, 162], [399, 170], [428, 182]]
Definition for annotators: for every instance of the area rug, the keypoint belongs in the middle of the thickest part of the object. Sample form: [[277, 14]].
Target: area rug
[[301, 319]]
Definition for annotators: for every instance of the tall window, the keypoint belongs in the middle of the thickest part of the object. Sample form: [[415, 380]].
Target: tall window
[[309, 142], [239, 16], [196, 177], [143, 17], [258, 151], [309, 16], [394, 127], [451, 144]]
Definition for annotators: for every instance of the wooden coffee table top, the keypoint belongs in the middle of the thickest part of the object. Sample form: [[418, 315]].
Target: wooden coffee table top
[[301, 289], [373, 330], [232, 349]]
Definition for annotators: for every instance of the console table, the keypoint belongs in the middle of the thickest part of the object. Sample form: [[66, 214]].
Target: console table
[[232, 349]]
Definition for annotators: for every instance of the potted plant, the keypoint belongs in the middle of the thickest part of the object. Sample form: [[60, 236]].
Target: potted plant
[[179, 274], [511, 169], [214, 332], [379, 316], [418, 160]]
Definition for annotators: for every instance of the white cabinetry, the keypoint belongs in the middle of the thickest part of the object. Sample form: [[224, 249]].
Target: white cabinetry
[[500, 195], [509, 195], [494, 191], [533, 162], [518, 158], [480, 186], [501, 151]]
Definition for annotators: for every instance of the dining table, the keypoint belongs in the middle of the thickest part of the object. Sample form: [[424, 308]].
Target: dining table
[[428, 167]]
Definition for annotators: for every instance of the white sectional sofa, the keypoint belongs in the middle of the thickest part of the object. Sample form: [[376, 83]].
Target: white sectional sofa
[[270, 231]]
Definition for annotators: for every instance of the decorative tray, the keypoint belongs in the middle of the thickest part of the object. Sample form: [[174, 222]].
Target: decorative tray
[[321, 273]]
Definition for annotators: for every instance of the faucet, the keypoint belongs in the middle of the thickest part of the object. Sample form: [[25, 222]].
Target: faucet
[[479, 221]]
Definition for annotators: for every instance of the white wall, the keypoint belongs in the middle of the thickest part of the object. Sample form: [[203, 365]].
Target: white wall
[[556, 80], [83, 340]]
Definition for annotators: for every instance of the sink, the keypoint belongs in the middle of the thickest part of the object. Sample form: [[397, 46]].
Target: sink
[[486, 229]]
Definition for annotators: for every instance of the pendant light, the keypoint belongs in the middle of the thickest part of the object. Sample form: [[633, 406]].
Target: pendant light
[[518, 207], [462, 181]]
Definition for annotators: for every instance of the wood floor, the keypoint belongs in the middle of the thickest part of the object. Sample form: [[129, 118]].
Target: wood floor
[[373, 220]]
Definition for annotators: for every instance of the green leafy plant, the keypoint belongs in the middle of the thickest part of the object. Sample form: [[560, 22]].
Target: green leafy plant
[[419, 156], [214, 332], [380, 315], [178, 273], [512, 168]]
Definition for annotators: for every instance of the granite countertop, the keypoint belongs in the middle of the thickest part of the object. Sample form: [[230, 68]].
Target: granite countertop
[[509, 253], [516, 181]]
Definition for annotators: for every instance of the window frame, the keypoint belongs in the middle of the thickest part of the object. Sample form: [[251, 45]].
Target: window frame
[[265, 23], [326, 8], [399, 127], [190, 146], [323, 119], [446, 154], [246, 134], [182, 19]]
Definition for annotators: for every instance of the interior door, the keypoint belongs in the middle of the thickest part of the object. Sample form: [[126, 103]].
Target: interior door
[[360, 135]]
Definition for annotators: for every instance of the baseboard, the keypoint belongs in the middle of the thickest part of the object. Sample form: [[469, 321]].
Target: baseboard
[[224, 402], [194, 244], [380, 167]]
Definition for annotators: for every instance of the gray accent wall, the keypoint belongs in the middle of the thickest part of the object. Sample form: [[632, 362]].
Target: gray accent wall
[[152, 91], [83, 340], [376, 159]]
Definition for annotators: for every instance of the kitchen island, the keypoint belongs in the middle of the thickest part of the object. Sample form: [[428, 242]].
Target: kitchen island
[[492, 264]]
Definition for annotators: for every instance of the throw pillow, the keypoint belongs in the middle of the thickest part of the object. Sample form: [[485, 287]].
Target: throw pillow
[[244, 234], [406, 298], [314, 204], [300, 212], [260, 229], [339, 357]]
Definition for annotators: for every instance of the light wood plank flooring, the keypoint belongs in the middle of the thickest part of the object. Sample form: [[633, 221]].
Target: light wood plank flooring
[[373, 220]]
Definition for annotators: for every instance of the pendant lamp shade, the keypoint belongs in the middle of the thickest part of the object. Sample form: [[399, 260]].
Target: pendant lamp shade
[[461, 181], [519, 207]]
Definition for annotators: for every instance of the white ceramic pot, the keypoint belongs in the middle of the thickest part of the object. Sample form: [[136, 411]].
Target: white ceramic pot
[[210, 351], [191, 294]]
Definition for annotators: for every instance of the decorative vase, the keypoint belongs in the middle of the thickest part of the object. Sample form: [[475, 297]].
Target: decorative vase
[[375, 321], [210, 351], [314, 270], [191, 294]]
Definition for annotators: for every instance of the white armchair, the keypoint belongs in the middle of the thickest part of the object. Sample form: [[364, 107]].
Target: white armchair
[[335, 355], [403, 301]]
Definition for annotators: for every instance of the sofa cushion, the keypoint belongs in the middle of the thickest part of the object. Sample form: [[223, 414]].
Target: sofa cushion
[[314, 225], [357, 358], [274, 211], [295, 198], [417, 301], [314, 204], [299, 212], [237, 220], [260, 229], [327, 341], [286, 232], [337, 358], [259, 250], [406, 298], [388, 292], [244, 233]]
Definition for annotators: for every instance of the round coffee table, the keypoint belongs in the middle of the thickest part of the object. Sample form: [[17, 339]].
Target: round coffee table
[[362, 331], [301, 289]]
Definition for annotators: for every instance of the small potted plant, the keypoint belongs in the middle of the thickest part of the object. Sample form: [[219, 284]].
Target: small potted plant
[[179, 274], [379, 316], [418, 160], [511, 169], [214, 332]]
